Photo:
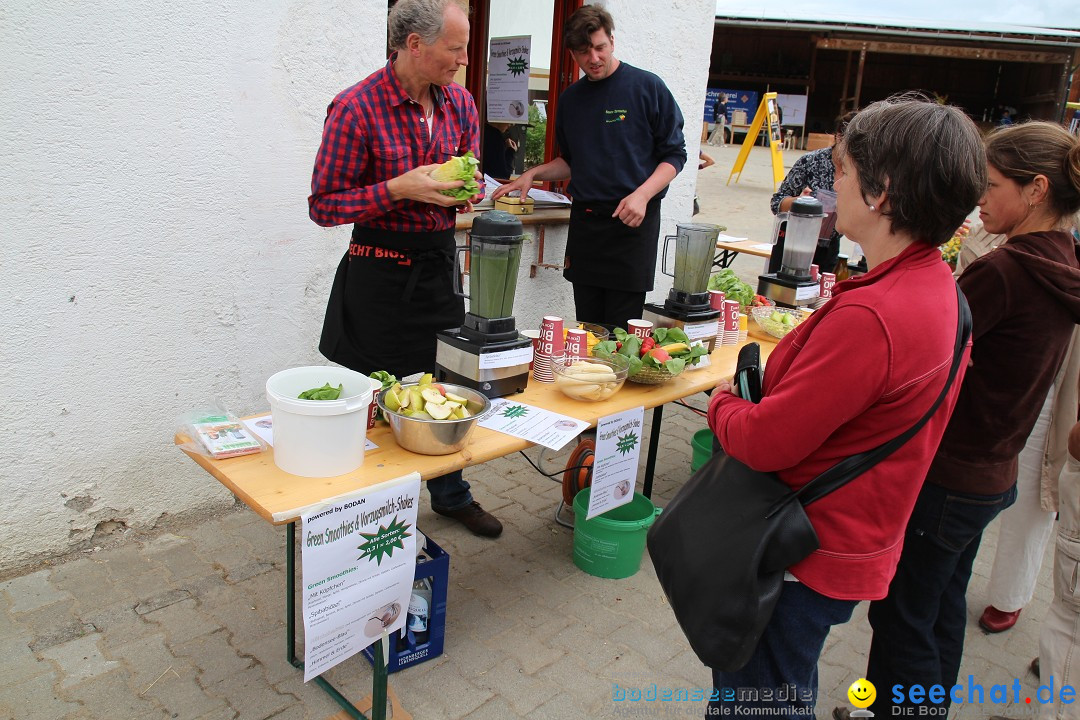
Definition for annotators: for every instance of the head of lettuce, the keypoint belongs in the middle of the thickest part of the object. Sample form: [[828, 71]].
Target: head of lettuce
[[459, 168]]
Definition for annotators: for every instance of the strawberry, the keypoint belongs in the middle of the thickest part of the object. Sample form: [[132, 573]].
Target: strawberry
[[647, 344]]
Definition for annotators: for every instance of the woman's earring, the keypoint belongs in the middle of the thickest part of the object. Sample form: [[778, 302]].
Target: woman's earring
[[872, 208]]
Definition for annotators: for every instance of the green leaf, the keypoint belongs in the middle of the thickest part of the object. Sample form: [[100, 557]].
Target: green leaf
[[675, 365], [660, 335], [326, 392], [631, 346], [621, 334], [676, 335], [635, 366]]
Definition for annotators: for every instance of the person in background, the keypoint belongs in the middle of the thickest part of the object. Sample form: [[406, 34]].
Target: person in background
[[497, 159], [814, 171], [720, 118], [381, 140], [1025, 303], [886, 337], [620, 136]]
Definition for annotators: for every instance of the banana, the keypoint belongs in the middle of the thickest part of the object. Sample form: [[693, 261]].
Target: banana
[[676, 348]]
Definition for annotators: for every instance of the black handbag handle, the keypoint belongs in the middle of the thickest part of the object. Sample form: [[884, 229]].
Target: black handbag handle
[[850, 468]]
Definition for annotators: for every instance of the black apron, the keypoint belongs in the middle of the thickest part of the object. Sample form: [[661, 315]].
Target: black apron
[[392, 292], [603, 252]]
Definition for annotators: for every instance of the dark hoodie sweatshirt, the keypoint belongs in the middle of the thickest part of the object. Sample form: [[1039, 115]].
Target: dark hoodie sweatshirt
[[1025, 301]]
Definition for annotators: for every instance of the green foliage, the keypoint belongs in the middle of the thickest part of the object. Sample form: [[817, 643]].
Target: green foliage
[[535, 136]]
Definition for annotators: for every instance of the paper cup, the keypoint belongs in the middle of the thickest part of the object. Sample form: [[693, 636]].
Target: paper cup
[[815, 273], [828, 281], [373, 408], [641, 328], [577, 344], [533, 335], [716, 299], [551, 335]]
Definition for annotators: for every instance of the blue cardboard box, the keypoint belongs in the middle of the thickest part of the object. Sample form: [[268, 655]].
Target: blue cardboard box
[[434, 564]]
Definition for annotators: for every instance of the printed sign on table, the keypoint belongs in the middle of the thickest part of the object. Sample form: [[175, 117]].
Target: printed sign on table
[[359, 556], [531, 423], [615, 465]]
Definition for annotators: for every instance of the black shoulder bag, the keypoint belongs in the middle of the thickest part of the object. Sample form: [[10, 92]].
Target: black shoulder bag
[[721, 546]]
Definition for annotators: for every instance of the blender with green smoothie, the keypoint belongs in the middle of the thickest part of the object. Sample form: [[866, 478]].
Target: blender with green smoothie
[[487, 353]]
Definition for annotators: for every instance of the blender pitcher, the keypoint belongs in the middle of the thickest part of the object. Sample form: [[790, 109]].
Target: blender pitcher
[[494, 255], [695, 246], [801, 238]]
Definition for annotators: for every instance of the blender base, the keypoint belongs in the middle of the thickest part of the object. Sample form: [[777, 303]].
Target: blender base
[[788, 293], [458, 360], [697, 324]]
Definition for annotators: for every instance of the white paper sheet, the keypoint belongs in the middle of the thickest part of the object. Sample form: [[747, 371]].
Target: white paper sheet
[[531, 423]]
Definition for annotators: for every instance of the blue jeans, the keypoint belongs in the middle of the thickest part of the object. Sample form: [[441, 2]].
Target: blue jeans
[[919, 628], [785, 661], [449, 492]]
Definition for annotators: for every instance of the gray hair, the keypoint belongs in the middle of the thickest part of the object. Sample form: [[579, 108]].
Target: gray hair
[[423, 17]]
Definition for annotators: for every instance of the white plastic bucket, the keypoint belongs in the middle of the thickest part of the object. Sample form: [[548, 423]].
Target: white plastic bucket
[[319, 438]]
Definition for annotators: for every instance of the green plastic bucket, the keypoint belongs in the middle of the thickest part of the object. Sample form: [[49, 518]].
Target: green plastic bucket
[[702, 445], [611, 545]]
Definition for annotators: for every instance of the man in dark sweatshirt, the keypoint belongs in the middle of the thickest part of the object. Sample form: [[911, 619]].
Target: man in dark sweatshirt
[[621, 143]]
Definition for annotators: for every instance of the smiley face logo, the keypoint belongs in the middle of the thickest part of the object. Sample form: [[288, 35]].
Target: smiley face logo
[[862, 693]]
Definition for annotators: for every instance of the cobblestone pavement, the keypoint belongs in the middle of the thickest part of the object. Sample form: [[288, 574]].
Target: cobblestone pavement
[[191, 622]]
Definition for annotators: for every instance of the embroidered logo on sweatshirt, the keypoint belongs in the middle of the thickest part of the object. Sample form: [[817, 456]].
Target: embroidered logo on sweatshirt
[[614, 116]]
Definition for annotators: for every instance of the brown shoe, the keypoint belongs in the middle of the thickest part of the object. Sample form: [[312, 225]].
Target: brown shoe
[[477, 519]]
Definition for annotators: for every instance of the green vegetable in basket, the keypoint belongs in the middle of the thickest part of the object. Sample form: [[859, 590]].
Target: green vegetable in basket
[[459, 168], [326, 392], [727, 282]]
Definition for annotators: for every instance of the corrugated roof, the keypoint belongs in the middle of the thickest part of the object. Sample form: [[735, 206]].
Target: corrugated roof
[[794, 18]]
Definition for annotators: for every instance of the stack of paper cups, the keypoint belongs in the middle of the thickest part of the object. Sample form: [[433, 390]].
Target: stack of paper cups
[[743, 325], [828, 280], [716, 302], [641, 328], [533, 335], [731, 323], [577, 344], [815, 273], [548, 348]]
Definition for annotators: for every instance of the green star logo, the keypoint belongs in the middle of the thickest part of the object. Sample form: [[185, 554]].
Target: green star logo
[[627, 442], [383, 542], [517, 65], [515, 411]]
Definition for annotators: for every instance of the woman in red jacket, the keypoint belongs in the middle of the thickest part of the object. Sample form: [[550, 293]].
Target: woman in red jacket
[[1025, 303], [908, 172]]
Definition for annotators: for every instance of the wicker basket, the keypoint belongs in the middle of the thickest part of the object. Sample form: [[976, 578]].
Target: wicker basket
[[650, 376]]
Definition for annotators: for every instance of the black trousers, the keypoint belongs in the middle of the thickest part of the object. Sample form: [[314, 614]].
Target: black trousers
[[607, 307]]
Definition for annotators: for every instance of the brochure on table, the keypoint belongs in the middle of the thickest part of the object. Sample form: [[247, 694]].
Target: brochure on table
[[359, 557], [531, 423], [615, 463]]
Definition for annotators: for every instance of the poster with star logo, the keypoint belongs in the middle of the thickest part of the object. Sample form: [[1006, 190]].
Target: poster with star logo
[[508, 79], [359, 557], [615, 465]]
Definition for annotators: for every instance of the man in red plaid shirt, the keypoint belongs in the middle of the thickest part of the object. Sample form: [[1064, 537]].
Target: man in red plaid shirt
[[382, 138]]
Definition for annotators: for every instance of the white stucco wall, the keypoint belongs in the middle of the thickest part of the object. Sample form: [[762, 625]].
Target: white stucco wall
[[157, 253]]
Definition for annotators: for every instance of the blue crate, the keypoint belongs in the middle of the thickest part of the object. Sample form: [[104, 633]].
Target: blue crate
[[433, 564]]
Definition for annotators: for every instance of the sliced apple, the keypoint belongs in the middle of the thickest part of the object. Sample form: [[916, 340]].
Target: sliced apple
[[457, 398], [427, 379], [439, 412], [393, 403], [432, 396]]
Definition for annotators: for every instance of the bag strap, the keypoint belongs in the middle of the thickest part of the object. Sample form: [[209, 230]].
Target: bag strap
[[850, 468]]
